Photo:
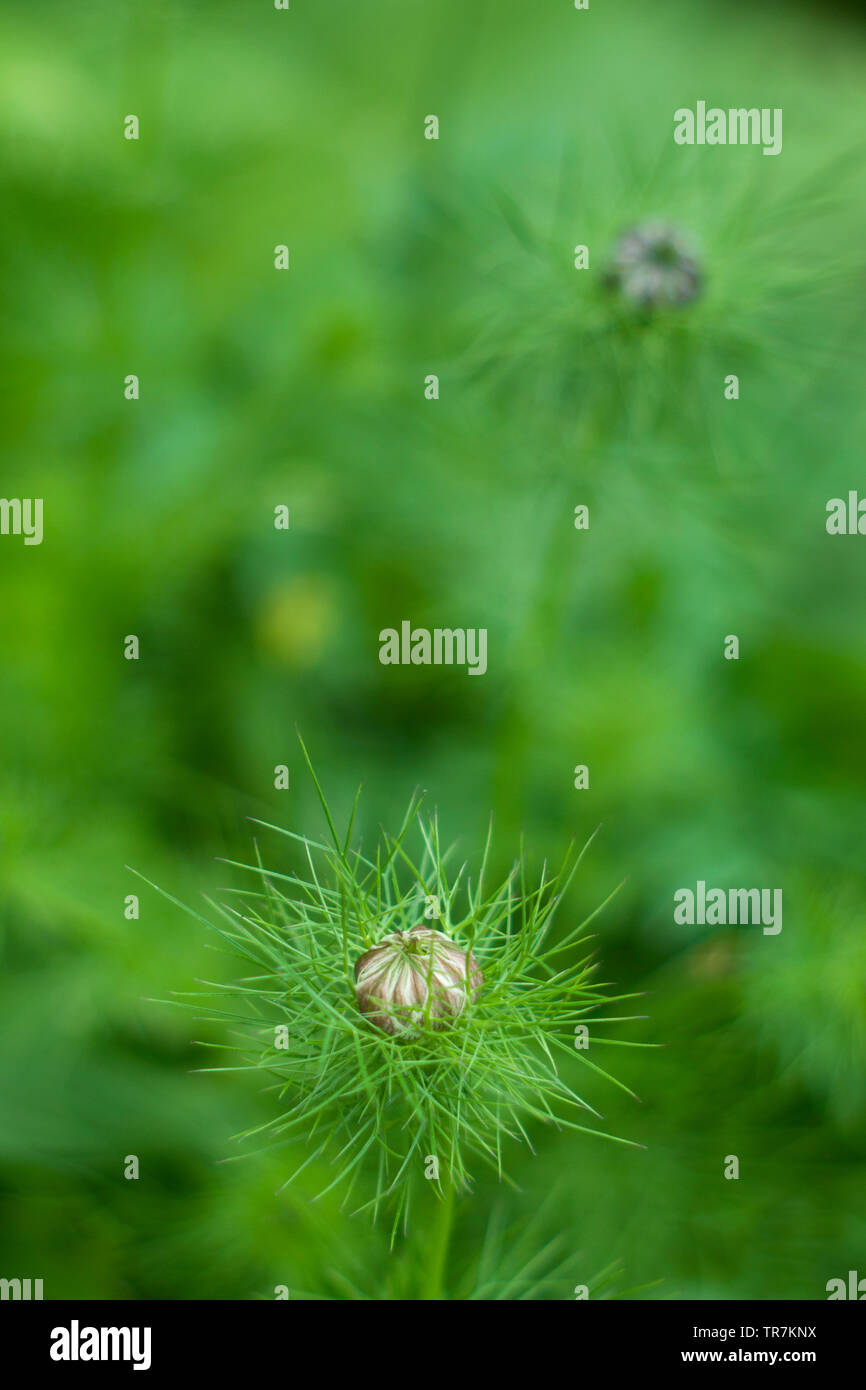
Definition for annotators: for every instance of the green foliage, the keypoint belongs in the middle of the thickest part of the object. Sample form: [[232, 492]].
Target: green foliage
[[362, 1098], [408, 257]]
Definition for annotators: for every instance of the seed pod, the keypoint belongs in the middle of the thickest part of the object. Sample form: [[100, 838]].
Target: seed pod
[[415, 979], [653, 265]]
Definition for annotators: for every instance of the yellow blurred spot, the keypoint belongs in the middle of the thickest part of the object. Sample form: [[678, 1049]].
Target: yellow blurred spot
[[296, 620]]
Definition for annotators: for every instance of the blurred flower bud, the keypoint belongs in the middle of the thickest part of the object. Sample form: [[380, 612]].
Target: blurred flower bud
[[654, 265], [415, 977], [296, 621]]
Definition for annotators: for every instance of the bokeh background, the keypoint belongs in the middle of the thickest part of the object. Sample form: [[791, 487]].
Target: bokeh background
[[410, 257]]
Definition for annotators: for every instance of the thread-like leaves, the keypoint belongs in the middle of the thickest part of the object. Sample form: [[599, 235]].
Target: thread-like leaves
[[378, 1108]]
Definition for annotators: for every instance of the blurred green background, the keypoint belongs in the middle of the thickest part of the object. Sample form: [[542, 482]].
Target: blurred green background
[[411, 257]]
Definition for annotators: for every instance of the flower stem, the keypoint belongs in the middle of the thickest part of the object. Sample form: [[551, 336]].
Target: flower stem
[[437, 1250]]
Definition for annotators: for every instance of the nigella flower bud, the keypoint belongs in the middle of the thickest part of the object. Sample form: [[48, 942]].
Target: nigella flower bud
[[415, 978], [653, 265]]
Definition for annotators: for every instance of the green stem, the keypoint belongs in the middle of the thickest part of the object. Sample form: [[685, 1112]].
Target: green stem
[[437, 1249]]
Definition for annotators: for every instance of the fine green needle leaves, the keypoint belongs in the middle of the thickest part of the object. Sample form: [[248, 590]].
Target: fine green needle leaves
[[382, 1112]]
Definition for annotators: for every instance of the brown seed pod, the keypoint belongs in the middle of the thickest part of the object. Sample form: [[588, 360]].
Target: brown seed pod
[[415, 979]]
